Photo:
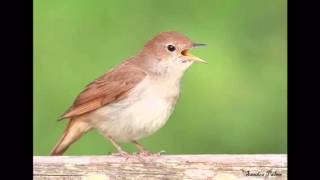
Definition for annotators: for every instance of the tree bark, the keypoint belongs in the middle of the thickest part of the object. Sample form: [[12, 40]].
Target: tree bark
[[164, 167]]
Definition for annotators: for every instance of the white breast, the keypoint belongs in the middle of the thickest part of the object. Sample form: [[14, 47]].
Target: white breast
[[145, 111]]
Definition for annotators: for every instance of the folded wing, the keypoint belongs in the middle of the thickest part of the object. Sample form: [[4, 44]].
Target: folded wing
[[111, 87]]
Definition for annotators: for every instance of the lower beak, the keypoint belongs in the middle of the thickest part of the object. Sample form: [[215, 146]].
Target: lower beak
[[192, 57]]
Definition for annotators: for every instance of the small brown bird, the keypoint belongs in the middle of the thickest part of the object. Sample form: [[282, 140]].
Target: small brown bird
[[135, 99]]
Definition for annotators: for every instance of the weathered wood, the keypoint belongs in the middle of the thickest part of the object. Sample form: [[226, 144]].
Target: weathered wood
[[227, 167]]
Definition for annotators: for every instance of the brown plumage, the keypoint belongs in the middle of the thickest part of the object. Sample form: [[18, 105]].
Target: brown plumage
[[75, 129], [111, 87], [119, 103]]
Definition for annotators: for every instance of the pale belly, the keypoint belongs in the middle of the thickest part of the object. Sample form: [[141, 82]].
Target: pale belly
[[145, 111]]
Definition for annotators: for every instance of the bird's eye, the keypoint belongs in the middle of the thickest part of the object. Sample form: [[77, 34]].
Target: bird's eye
[[171, 48]]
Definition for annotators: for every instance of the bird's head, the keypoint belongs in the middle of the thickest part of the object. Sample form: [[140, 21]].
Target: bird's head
[[169, 52]]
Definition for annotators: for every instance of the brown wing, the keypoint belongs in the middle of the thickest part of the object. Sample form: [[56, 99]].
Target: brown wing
[[111, 87]]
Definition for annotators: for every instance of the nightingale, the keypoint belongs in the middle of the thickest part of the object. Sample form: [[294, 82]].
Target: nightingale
[[135, 99]]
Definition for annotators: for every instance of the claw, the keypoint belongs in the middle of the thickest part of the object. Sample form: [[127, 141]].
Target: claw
[[145, 153], [148, 153], [128, 156], [122, 154]]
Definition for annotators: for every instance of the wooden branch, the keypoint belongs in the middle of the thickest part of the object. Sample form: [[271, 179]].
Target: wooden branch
[[227, 167]]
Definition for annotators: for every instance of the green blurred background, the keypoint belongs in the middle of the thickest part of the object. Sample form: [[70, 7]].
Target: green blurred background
[[235, 104]]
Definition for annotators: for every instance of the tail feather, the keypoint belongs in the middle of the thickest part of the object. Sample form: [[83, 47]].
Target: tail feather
[[73, 132]]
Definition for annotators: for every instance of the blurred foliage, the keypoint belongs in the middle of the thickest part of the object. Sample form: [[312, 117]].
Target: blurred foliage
[[235, 104]]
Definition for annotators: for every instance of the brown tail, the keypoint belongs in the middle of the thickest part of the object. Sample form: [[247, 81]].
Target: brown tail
[[75, 129]]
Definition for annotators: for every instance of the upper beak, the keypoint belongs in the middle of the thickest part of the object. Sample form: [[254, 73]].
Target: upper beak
[[192, 57]]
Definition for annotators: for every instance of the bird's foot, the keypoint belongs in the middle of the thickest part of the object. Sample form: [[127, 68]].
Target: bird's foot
[[127, 155], [146, 153], [123, 154]]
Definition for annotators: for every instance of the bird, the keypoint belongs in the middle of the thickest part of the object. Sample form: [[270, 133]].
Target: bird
[[136, 98]]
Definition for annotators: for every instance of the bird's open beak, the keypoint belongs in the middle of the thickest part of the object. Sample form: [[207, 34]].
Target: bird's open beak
[[192, 57]]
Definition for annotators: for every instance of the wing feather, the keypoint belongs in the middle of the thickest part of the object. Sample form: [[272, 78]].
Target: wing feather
[[111, 87]]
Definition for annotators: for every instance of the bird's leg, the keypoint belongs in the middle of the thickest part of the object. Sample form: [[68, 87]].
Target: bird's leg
[[142, 150], [118, 147], [121, 152]]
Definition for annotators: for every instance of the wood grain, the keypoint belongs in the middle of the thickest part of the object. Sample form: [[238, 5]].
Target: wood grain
[[220, 167]]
